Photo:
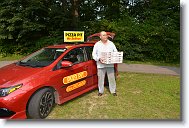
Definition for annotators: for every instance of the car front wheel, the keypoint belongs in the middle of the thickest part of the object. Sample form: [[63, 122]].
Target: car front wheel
[[41, 104]]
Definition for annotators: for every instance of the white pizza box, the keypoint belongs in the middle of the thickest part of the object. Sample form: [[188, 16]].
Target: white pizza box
[[112, 57]]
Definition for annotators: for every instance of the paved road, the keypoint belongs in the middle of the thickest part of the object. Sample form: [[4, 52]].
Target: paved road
[[141, 68], [4, 63], [138, 68]]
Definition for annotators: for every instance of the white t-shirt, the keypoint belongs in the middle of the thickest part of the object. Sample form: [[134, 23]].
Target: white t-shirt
[[101, 47]]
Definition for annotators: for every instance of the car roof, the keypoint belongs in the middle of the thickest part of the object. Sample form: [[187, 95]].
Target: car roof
[[96, 37], [68, 45]]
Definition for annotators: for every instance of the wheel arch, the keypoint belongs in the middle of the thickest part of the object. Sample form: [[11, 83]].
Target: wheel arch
[[50, 87]]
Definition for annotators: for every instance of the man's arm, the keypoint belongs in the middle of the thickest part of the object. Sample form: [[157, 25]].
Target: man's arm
[[114, 47], [95, 53]]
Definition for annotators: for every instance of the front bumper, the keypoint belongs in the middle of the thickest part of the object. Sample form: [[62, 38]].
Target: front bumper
[[12, 108], [8, 113]]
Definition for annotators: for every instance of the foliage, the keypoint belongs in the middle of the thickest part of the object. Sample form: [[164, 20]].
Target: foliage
[[145, 29], [42, 42], [160, 19]]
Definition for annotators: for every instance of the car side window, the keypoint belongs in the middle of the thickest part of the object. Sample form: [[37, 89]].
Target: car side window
[[89, 51], [75, 56]]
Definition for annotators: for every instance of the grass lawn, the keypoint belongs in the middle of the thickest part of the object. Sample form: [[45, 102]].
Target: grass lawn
[[140, 96]]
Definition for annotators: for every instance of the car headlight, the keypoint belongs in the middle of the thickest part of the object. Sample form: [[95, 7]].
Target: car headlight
[[7, 91]]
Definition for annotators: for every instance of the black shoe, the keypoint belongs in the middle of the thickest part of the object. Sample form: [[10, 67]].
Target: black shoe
[[114, 94], [99, 94]]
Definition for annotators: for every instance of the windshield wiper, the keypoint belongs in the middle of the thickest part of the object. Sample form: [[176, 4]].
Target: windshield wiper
[[35, 66], [22, 63], [27, 64]]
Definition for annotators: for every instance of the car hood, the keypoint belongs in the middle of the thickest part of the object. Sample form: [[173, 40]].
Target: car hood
[[15, 74]]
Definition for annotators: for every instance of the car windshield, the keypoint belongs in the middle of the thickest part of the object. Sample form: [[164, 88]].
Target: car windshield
[[42, 58]]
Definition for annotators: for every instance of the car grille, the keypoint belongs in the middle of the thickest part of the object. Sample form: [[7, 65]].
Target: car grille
[[5, 112]]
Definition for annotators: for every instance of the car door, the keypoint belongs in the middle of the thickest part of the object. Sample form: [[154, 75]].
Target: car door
[[74, 80], [92, 64]]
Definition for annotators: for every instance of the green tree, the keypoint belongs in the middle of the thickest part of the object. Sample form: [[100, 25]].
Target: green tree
[[21, 21], [161, 20], [145, 29]]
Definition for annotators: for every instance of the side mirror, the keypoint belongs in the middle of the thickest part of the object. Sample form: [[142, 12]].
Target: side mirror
[[65, 64]]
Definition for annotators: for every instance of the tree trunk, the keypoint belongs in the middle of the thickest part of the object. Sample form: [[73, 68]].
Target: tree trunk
[[75, 14]]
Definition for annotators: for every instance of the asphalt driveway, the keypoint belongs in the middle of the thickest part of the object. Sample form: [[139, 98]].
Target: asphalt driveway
[[141, 68]]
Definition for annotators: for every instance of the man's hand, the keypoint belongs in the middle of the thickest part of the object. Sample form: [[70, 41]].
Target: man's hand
[[101, 60]]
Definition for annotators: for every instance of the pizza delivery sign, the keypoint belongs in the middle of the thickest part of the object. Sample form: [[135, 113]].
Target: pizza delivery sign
[[73, 36]]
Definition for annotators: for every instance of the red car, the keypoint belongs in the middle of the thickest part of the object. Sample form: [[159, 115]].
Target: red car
[[55, 74]]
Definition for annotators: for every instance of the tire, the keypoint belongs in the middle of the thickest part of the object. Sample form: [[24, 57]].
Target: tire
[[41, 104]]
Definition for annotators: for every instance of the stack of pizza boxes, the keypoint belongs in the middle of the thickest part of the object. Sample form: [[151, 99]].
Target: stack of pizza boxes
[[112, 57]]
